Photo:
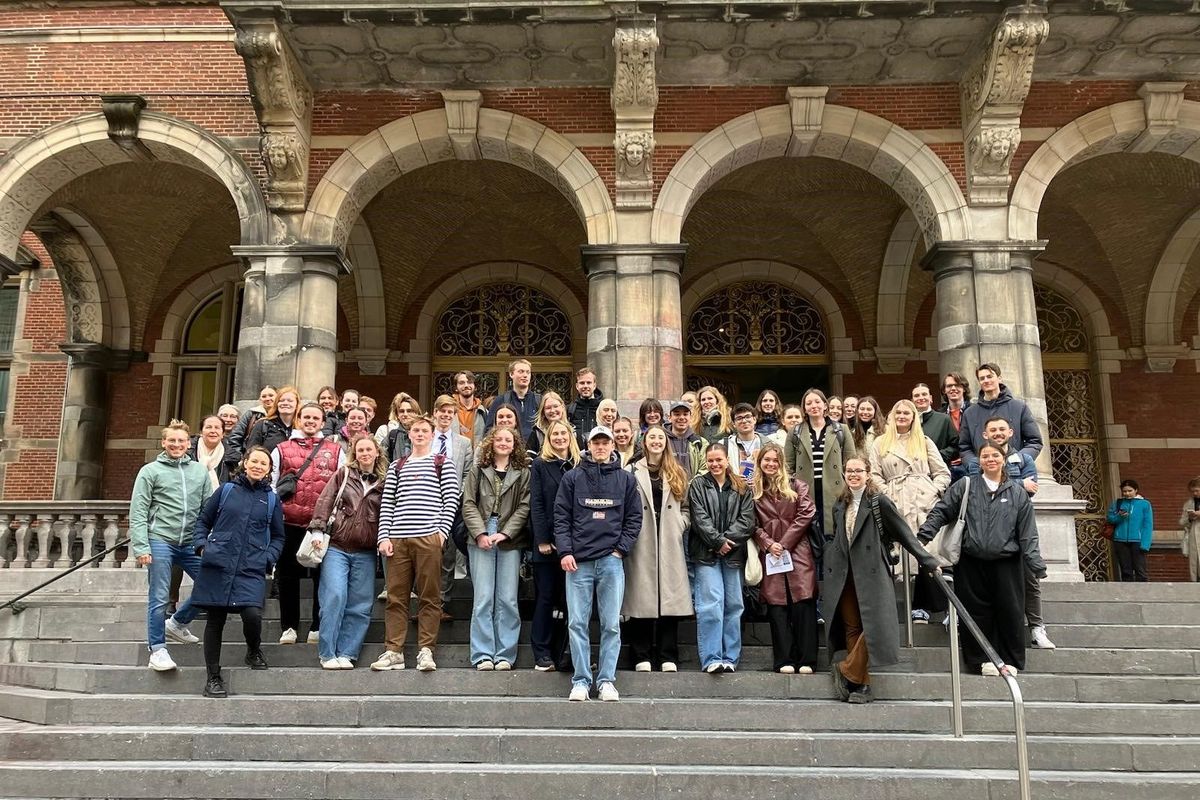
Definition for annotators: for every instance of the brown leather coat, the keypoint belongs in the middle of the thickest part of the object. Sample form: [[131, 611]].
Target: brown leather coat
[[357, 526], [787, 522]]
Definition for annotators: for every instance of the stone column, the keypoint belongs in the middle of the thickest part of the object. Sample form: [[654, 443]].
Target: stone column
[[635, 330], [85, 419], [289, 318]]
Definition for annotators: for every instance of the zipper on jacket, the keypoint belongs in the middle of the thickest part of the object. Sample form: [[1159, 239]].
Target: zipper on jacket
[[183, 483]]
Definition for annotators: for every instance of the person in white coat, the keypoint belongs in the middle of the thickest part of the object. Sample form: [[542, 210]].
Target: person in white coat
[[1189, 520]]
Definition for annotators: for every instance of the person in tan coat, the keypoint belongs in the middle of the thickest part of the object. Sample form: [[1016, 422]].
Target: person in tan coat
[[1189, 520], [657, 591]]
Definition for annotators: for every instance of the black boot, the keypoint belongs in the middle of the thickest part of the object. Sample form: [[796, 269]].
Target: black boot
[[215, 686], [255, 660]]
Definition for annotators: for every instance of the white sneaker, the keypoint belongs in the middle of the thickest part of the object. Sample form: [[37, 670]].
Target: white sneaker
[[989, 669], [345, 663], [920, 616], [787, 669], [642, 666], [180, 633], [161, 661], [805, 671], [425, 662], [1011, 670], [485, 666], [503, 666], [382, 595], [579, 692], [389, 660], [670, 666], [314, 637], [1040, 639], [609, 693], [288, 636], [331, 663], [715, 668]]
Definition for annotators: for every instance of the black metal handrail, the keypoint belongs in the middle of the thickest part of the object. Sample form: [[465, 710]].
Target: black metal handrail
[[15, 603]]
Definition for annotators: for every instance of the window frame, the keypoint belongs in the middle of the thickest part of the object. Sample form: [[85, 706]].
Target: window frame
[[223, 361]]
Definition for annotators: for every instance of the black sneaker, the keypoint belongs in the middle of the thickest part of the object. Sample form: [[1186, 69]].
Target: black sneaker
[[862, 695], [255, 660], [215, 687], [544, 664]]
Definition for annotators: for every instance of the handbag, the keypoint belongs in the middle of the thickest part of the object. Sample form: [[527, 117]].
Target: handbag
[[285, 487], [946, 547], [308, 555], [754, 569], [1108, 530]]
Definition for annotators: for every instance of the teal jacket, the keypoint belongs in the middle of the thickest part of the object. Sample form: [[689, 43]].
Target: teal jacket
[[167, 496], [1138, 526]]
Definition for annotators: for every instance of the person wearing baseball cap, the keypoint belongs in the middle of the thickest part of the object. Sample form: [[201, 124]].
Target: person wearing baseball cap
[[686, 445]]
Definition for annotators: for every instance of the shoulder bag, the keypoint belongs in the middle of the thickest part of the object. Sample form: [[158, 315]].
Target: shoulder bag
[[946, 547], [310, 556], [754, 569]]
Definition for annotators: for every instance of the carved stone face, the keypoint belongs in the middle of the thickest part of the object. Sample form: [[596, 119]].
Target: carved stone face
[[635, 152], [278, 155]]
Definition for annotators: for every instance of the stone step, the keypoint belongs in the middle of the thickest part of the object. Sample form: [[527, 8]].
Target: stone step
[[312, 681], [711, 714], [219, 779], [780, 748]]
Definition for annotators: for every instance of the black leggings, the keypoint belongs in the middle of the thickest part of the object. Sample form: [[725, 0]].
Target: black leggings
[[251, 629]]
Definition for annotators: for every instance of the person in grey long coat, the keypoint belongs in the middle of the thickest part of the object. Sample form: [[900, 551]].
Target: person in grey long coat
[[858, 581]]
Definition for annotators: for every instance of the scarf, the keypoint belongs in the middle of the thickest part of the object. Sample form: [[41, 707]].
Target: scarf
[[211, 459]]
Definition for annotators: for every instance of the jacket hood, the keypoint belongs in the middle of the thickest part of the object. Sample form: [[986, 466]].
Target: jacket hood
[[612, 465], [1004, 396], [163, 458], [299, 434]]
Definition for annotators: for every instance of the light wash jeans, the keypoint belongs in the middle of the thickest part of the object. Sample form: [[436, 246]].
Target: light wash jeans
[[495, 620], [163, 555], [603, 579], [347, 596], [717, 596]]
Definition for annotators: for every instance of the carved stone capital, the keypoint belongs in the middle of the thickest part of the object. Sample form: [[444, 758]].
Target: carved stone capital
[[807, 106], [123, 113], [462, 121], [285, 156], [99, 356], [1162, 101], [634, 100], [990, 150], [1162, 358]]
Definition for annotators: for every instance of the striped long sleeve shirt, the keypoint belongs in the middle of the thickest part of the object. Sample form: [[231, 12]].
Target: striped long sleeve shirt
[[416, 502]]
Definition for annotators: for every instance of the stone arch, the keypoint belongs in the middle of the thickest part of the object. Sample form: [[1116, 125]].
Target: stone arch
[[410, 143], [187, 300], [1112, 129], [1168, 275], [41, 165], [1081, 296], [887, 151], [368, 285], [892, 301], [98, 290]]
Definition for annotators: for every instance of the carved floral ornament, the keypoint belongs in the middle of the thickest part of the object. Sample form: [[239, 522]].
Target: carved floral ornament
[[278, 82], [634, 83], [1004, 71]]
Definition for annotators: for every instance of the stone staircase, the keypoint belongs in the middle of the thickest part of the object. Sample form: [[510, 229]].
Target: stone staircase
[[1113, 713]]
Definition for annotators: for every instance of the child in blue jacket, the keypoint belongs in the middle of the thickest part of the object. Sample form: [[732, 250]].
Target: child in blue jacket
[[1134, 520]]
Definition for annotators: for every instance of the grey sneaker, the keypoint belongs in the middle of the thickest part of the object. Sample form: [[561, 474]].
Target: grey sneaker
[[388, 661], [180, 633], [425, 662]]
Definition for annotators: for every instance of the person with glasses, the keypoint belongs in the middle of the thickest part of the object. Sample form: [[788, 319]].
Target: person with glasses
[[745, 441], [956, 391]]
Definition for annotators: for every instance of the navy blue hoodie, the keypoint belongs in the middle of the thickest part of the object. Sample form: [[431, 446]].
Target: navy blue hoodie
[[597, 510]]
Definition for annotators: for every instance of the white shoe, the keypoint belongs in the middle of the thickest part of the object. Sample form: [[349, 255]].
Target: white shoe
[[288, 636], [609, 693], [669, 666], [331, 663], [425, 662], [1040, 639], [503, 666], [989, 669], [382, 595], [1011, 670], [180, 633], [805, 671], [920, 616], [345, 663], [388, 661], [579, 692], [485, 666], [161, 661], [715, 668], [642, 666], [314, 637], [787, 669]]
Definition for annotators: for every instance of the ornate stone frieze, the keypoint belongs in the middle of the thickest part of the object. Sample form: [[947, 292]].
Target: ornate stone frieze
[[993, 94], [634, 100]]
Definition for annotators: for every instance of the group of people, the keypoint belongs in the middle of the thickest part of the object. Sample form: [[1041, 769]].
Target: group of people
[[649, 521]]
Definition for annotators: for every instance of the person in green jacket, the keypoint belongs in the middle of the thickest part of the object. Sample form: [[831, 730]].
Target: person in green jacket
[[167, 497]]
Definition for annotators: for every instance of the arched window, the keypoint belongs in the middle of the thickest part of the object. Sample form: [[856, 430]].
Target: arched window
[[207, 355], [10, 295]]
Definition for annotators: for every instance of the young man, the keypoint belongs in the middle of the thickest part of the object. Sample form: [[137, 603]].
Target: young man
[[420, 498], [314, 459], [936, 425], [167, 496], [955, 389], [744, 442], [458, 449], [995, 400], [582, 412], [470, 415], [597, 518], [520, 396], [686, 445], [1021, 469]]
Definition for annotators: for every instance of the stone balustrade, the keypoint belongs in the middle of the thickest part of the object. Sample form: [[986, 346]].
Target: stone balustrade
[[31, 529]]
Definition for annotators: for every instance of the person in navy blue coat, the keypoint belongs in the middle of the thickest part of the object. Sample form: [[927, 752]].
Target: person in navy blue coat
[[239, 538]]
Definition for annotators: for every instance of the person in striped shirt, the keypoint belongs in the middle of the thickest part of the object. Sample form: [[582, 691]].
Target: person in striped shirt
[[420, 498]]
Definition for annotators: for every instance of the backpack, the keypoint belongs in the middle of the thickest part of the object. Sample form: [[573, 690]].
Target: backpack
[[271, 499], [439, 461]]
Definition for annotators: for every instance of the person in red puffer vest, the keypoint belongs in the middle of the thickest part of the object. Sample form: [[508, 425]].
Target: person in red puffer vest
[[289, 457]]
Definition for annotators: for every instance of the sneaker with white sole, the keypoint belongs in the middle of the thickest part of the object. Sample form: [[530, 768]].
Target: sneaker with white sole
[[670, 666], [425, 662], [787, 669], [609, 693], [288, 636], [503, 666], [345, 663], [920, 616], [314, 637], [331, 663], [642, 666], [715, 668], [382, 595], [1040, 639], [989, 669], [388, 661], [579, 692], [1011, 670], [805, 671], [161, 661], [180, 633], [485, 666]]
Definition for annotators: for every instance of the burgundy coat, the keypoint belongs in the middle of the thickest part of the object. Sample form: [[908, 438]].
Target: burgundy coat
[[787, 522]]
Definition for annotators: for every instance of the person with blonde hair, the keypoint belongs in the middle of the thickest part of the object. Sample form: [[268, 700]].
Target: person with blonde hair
[[784, 514], [277, 426], [625, 441], [392, 436], [713, 422], [607, 413], [548, 633], [551, 409]]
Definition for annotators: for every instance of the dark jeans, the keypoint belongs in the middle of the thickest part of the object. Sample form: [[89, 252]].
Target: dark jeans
[[548, 636], [288, 573], [926, 594], [1131, 561], [794, 633], [653, 640], [251, 629], [994, 594]]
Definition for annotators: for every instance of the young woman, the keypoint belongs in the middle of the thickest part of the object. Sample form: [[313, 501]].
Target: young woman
[[607, 413], [247, 421], [713, 422], [356, 424], [650, 413], [495, 508], [239, 537], [908, 468], [209, 449], [867, 425], [835, 406], [552, 409], [352, 497], [657, 592], [1134, 520], [816, 451], [506, 417], [1189, 522], [722, 510], [392, 436], [276, 427], [768, 408], [784, 513], [999, 544], [792, 416], [548, 635], [624, 441], [331, 403], [863, 620], [849, 409]]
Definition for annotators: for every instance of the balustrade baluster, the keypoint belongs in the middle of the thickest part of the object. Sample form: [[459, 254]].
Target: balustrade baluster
[[21, 561]]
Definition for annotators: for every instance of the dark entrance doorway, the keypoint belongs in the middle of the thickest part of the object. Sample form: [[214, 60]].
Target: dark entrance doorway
[[744, 383]]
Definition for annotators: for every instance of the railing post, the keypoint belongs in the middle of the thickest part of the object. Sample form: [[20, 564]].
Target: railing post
[[87, 535], [64, 530], [1019, 730], [908, 620], [21, 560], [5, 534], [111, 532], [44, 522], [955, 675]]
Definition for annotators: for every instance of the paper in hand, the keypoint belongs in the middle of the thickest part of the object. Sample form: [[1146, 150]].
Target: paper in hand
[[781, 564]]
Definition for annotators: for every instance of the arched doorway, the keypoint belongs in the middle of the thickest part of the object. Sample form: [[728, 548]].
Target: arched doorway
[[741, 337]]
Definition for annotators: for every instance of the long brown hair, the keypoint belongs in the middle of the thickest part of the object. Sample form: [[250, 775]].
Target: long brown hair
[[668, 466], [739, 483], [869, 488]]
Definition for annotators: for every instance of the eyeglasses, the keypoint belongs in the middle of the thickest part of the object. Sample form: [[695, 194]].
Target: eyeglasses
[[855, 471], [744, 418]]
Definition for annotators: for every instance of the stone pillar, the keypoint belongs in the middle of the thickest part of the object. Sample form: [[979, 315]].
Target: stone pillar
[[289, 318], [635, 330], [85, 419]]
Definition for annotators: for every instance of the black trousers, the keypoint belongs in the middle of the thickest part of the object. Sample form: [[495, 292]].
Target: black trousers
[[288, 573], [251, 629], [994, 594], [926, 594], [547, 635], [794, 632], [1131, 561], [653, 640]]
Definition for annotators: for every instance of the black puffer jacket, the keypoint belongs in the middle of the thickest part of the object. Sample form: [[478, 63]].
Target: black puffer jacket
[[998, 525], [270, 432], [719, 514]]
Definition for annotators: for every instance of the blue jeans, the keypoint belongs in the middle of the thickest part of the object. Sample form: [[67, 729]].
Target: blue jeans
[[163, 555], [717, 595], [495, 620], [603, 579], [347, 596]]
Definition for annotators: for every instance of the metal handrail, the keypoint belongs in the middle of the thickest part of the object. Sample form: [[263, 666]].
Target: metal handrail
[[15, 603]]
